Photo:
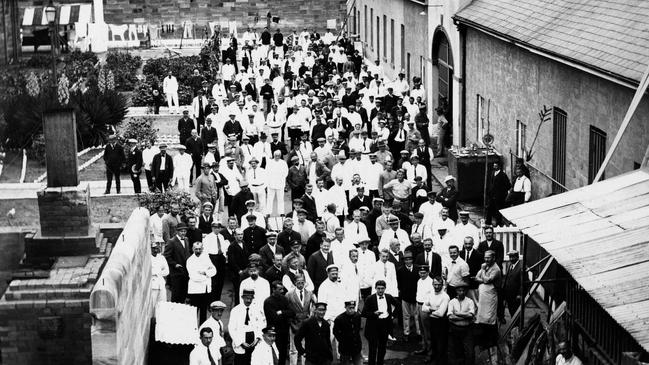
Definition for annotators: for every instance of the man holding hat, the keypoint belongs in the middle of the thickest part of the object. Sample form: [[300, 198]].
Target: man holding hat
[[316, 335], [347, 330], [162, 169], [113, 157], [246, 326], [134, 163], [177, 250]]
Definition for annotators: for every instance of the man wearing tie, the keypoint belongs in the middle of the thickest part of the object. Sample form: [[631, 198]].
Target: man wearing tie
[[203, 354], [266, 352], [301, 301], [474, 259], [378, 310], [278, 315], [511, 287], [177, 250], [430, 259], [215, 323], [246, 324], [216, 246]]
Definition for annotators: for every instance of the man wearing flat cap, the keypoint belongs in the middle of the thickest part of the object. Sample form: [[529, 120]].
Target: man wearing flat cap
[[246, 325], [267, 352], [113, 157], [215, 323], [315, 332], [162, 169], [177, 251]]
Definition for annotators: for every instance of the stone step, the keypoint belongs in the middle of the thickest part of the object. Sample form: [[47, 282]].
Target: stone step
[[42, 292]]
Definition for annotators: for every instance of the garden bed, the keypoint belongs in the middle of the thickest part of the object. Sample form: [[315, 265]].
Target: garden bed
[[13, 167]]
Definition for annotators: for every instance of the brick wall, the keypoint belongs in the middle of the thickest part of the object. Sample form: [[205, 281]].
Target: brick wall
[[121, 302], [64, 211], [293, 13], [519, 83]]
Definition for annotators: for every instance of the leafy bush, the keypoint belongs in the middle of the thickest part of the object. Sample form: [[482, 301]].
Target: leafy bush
[[124, 67], [37, 150], [140, 129], [185, 200], [81, 65], [181, 67], [39, 61]]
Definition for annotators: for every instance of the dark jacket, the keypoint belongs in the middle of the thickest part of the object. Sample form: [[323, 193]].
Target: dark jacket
[[272, 305], [356, 202], [273, 273], [155, 166], [316, 266], [499, 186], [512, 280], [185, 127], [309, 206], [347, 329], [317, 343], [237, 258], [251, 89], [114, 156], [278, 146], [175, 254], [476, 260], [435, 267], [134, 161], [448, 198], [285, 238], [238, 205], [267, 255], [254, 238], [407, 283], [194, 147], [208, 135], [205, 225], [313, 244], [497, 247], [375, 327]]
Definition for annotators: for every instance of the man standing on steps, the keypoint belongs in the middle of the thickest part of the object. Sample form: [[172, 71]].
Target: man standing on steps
[[113, 157], [195, 149], [185, 127], [170, 88], [134, 164], [162, 169]]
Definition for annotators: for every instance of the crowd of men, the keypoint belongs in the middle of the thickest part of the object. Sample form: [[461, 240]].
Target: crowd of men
[[367, 244]]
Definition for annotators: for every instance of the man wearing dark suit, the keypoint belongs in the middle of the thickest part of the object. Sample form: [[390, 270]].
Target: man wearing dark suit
[[208, 133], [237, 261], [378, 311], [251, 89], [360, 200], [194, 146], [395, 255], [343, 125], [315, 332], [498, 187], [317, 264], [268, 251], [177, 250], [254, 236], [275, 271], [193, 233], [287, 235], [308, 203], [278, 314], [490, 243], [347, 330], [407, 277], [321, 170], [237, 206], [134, 163], [474, 259], [511, 289], [162, 169], [113, 157], [430, 259], [301, 301], [185, 126], [277, 145]]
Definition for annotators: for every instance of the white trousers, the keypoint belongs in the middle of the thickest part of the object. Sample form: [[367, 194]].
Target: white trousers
[[272, 194], [259, 193], [183, 182], [172, 100]]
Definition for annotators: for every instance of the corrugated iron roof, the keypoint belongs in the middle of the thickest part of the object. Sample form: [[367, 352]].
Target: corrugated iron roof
[[600, 235], [608, 35]]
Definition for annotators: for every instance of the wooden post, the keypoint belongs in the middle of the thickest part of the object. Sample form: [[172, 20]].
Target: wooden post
[[60, 131], [523, 277]]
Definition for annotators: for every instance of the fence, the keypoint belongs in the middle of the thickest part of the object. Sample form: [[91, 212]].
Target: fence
[[511, 237]]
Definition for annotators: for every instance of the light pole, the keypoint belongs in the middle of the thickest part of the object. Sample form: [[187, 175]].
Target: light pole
[[50, 14]]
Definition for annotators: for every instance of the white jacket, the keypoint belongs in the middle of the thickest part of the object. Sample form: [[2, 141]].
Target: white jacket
[[201, 270]]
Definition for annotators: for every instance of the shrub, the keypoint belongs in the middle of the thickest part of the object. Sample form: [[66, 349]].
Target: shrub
[[124, 67], [181, 67], [185, 200], [37, 150], [140, 129]]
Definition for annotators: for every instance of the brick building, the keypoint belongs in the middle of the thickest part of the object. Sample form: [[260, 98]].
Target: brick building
[[577, 63]]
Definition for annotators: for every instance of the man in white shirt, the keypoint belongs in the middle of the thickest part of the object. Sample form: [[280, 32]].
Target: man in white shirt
[[435, 306], [464, 228], [256, 282], [565, 356], [461, 314], [456, 271], [522, 186], [245, 326], [415, 169], [182, 168], [340, 247], [266, 352], [216, 246], [215, 323], [293, 270], [366, 261], [385, 270], [332, 292], [337, 196], [394, 232], [256, 177], [159, 270], [203, 354], [147, 158], [155, 224], [371, 175], [430, 209], [350, 275], [277, 171], [200, 270], [170, 88], [355, 229]]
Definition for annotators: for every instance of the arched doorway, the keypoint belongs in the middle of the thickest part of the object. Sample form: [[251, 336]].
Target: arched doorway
[[442, 57]]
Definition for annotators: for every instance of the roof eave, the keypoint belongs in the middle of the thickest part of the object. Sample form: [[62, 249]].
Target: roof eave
[[586, 67]]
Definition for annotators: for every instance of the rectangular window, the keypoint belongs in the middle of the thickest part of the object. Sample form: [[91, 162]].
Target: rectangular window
[[372, 29], [385, 37], [559, 124], [392, 42], [403, 47], [378, 37], [422, 69], [521, 136], [358, 24], [354, 28], [480, 118], [596, 152], [408, 68], [365, 26]]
